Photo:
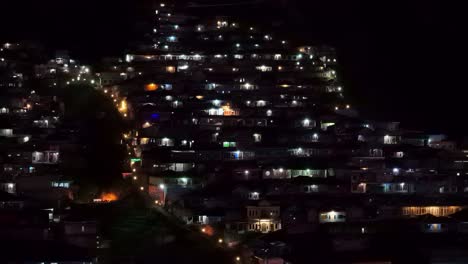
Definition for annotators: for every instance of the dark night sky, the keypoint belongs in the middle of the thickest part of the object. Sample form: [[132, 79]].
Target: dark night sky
[[402, 60]]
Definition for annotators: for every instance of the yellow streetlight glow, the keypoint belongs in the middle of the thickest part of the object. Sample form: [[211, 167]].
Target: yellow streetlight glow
[[123, 106]]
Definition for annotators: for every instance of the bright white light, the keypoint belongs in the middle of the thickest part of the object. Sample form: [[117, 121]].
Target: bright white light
[[26, 139], [162, 186]]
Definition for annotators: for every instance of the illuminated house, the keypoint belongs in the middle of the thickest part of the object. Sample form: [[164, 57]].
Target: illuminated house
[[45, 157], [263, 218], [432, 210], [332, 216]]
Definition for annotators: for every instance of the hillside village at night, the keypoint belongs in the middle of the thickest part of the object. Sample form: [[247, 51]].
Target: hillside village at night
[[215, 140]]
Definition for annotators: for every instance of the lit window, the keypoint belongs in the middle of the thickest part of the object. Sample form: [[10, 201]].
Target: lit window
[[257, 137], [228, 144], [170, 69], [151, 87]]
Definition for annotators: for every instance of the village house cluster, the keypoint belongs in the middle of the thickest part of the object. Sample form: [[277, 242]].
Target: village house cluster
[[35, 150], [241, 130], [237, 131]]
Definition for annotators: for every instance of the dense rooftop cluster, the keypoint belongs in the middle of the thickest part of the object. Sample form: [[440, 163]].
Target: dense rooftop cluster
[[230, 128], [239, 128]]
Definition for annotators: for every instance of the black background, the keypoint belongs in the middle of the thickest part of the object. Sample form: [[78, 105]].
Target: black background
[[401, 60]]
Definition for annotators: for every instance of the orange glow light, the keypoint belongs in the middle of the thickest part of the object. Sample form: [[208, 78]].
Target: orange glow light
[[170, 69], [228, 111], [151, 87], [208, 230], [109, 197]]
